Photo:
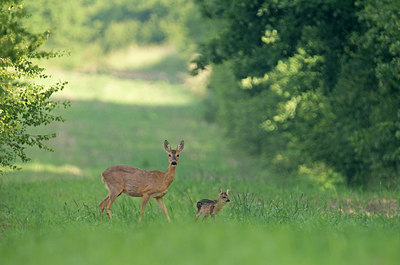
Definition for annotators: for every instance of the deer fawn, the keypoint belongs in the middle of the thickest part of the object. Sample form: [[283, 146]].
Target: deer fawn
[[212, 207], [137, 182]]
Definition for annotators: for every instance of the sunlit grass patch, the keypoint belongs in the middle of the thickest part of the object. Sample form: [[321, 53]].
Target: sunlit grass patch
[[140, 75], [107, 88], [137, 57], [38, 167], [133, 58], [37, 171]]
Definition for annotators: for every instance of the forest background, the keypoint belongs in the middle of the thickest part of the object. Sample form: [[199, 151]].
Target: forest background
[[294, 105]]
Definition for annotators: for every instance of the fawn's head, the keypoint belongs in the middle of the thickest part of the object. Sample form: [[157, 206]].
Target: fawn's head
[[173, 154], [223, 196]]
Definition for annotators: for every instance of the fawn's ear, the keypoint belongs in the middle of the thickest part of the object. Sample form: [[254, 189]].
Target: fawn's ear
[[167, 146], [180, 146], [220, 191], [227, 191]]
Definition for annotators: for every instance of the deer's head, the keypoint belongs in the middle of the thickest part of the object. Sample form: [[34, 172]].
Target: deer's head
[[223, 196], [173, 154]]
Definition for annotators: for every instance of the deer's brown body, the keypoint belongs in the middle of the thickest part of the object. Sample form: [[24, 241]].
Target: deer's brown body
[[137, 182]]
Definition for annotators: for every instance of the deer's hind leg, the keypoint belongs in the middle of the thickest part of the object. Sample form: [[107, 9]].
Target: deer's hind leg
[[199, 211], [197, 215]]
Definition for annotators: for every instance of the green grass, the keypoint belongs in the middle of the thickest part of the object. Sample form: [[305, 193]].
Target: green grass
[[48, 210]]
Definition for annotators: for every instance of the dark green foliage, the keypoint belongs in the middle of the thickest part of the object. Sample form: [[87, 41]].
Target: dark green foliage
[[314, 84], [23, 104]]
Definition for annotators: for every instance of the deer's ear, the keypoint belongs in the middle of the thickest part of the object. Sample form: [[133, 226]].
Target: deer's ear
[[167, 146], [227, 191], [180, 146]]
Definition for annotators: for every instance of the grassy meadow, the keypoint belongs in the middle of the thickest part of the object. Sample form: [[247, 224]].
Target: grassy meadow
[[122, 109]]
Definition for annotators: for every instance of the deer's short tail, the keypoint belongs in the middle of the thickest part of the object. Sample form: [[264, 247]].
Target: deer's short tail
[[104, 181]]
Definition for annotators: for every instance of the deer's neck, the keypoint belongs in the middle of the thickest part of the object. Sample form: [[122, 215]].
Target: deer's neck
[[169, 175], [218, 206]]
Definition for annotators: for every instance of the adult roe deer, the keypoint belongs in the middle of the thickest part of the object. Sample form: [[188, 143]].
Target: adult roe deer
[[137, 182]]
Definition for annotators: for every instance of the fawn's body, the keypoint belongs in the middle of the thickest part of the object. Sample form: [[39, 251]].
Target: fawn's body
[[137, 182], [212, 207]]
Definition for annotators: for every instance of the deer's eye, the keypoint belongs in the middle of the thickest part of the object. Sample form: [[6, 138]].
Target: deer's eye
[[177, 155], [169, 155]]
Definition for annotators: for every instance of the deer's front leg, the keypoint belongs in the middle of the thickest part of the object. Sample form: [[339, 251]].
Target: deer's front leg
[[160, 202], [145, 200]]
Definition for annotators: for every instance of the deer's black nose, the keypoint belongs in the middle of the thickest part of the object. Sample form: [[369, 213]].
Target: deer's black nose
[[173, 163]]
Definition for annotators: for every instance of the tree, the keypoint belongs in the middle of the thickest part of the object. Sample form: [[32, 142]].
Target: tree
[[23, 103], [324, 75]]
